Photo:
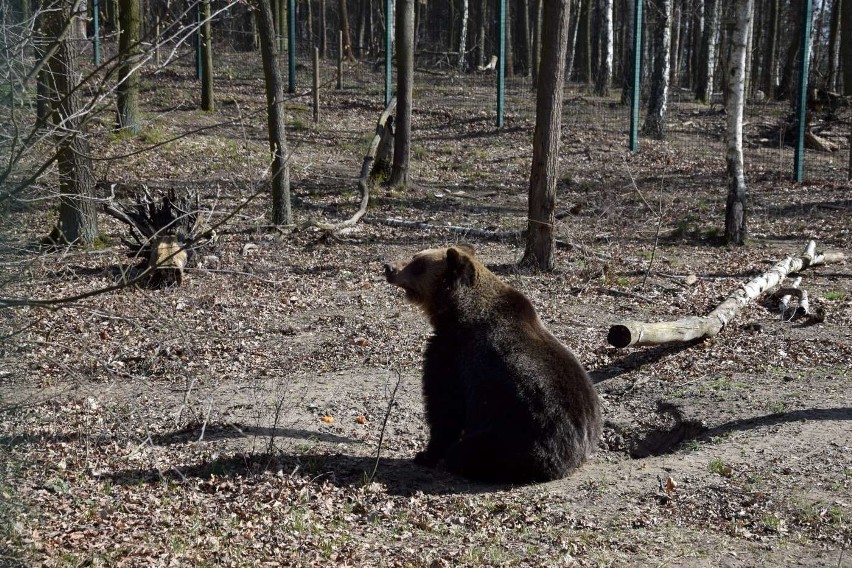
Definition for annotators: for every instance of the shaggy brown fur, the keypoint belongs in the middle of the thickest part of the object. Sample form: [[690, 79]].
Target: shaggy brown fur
[[505, 400]]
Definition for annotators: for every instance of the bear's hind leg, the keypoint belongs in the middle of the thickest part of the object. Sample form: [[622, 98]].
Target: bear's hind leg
[[492, 456]]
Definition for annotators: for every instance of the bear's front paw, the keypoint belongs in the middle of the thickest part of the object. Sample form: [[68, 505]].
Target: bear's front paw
[[426, 458]]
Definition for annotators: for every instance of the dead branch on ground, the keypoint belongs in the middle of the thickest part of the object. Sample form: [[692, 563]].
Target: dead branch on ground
[[376, 162]]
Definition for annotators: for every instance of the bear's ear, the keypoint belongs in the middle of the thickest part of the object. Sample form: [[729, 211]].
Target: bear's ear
[[460, 268]]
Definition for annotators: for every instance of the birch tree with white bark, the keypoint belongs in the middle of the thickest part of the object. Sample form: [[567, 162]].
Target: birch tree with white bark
[[735, 210], [463, 34], [707, 52], [658, 104]]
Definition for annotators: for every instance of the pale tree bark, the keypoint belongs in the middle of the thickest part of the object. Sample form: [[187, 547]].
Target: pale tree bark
[[404, 92], [78, 220], [655, 120], [463, 35], [735, 211], [281, 210], [707, 53], [834, 44], [605, 68], [548, 124], [130, 52], [207, 101]]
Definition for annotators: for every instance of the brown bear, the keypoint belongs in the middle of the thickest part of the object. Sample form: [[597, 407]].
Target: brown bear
[[505, 401]]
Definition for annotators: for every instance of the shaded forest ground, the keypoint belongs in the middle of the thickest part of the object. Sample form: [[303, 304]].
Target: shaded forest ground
[[235, 420]]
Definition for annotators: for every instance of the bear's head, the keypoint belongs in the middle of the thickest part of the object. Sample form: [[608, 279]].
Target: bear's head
[[432, 276]]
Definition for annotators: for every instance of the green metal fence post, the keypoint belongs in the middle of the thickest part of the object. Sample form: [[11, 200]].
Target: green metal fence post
[[637, 74], [802, 102], [501, 65], [96, 35], [291, 45], [388, 48]]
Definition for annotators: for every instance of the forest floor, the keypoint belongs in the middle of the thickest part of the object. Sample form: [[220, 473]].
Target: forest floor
[[236, 420]]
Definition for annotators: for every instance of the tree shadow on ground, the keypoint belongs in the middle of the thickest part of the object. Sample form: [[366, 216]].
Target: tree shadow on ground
[[637, 359], [681, 429]]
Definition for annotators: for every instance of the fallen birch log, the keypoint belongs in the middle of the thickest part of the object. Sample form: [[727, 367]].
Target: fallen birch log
[[381, 145], [628, 333]]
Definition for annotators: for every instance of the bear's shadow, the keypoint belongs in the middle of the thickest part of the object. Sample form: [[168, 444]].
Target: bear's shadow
[[400, 476]]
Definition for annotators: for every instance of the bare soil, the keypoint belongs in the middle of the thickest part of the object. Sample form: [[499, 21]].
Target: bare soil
[[235, 420]]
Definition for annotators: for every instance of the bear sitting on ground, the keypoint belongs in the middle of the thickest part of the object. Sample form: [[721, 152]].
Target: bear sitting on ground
[[505, 400]]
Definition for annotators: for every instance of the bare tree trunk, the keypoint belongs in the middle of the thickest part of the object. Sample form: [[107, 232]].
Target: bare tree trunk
[[78, 220], [323, 30], [344, 27], [787, 79], [481, 26], [834, 44], [405, 91], [527, 36], [770, 52], [755, 41], [674, 67], [536, 42], [573, 33], [735, 211], [548, 124], [695, 48], [656, 118], [128, 75], [463, 35], [815, 48], [43, 90], [707, 54], [583, 45], [281, 211], [606, 52], [207, 101], [846, 57], [749, 46], [629, 59], [510, 45]]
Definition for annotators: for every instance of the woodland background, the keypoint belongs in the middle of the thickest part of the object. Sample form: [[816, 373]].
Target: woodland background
[[236, 418]]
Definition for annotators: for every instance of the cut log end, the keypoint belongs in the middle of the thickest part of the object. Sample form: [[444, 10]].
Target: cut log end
[[620, 335]]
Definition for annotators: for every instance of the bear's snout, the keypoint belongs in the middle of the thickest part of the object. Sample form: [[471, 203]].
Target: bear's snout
[[390, 271]]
